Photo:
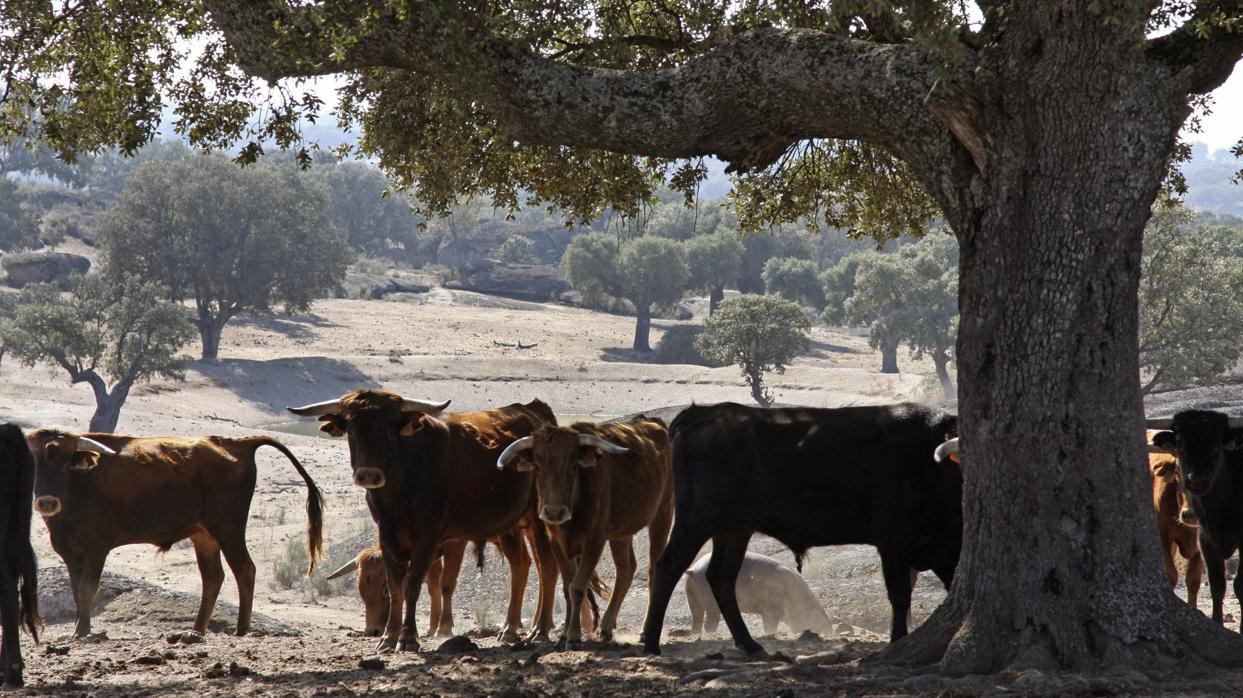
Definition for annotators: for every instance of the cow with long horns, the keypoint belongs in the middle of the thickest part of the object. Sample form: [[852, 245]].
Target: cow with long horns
[[97, 492], [1209, 446], [597, 484], [430, 479]]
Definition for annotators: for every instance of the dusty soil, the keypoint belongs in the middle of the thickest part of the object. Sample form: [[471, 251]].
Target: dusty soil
[[447, 344]]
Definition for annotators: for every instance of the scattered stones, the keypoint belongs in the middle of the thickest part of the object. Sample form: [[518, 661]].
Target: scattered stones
[[215, 671], [715, 655], [809, 636], [457, 644], [236, 670], [187, 638], [149, 659], [60, 650], [372, 664]]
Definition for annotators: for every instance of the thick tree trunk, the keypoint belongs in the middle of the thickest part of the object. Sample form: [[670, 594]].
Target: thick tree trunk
[[758, 393], [941, 360], [210, 329], [107, 405], [889, 356], [1060, 565], [714, 299], [642, 326]]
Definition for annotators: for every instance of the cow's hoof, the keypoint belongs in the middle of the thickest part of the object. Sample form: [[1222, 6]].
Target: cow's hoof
[[385, 646], [566, 643], [509, 636], [606, 636], [753, 650], [408, 644], [653, 650], [444, 632]]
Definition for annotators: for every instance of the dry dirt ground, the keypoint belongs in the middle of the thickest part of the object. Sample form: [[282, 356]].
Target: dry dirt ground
[[445, 345]]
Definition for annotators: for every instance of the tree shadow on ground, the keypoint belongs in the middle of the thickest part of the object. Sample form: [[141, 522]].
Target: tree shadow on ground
[[290, 381], [822, 350], [293, 326], [675, 346]]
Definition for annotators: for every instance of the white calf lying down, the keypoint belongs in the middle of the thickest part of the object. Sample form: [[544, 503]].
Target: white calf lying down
[[764, 586]]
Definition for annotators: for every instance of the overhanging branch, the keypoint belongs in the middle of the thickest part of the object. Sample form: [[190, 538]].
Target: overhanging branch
[[1204, 50]]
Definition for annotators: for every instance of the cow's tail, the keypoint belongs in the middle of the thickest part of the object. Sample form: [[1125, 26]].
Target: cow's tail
[[599, 588], [27, 566], [314, 503]]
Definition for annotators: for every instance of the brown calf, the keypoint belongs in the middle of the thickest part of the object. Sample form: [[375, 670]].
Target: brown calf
[[1176, 523], [599, 483], [100, 491]]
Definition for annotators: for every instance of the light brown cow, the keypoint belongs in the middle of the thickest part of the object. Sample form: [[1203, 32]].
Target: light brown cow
[[599, 483], [1176, 522], [97, 492]]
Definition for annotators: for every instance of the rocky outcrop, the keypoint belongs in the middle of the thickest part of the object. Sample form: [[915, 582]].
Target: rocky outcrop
[[376, 287], [42, 267], [529, 282]]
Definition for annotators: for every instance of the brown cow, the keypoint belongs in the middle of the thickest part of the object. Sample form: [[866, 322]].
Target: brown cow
[[100, 491], [429, 479], [599, 483], [1176, 522]]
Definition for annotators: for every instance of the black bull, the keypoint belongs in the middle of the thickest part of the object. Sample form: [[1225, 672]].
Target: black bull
[[809, 477]]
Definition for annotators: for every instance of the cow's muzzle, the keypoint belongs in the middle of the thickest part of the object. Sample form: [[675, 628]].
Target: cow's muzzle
[[369, 478], [47, 506], [554, 515]]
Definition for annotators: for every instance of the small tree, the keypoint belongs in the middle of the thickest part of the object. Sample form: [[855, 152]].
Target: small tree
[[794, 279], [759, 248], [932, 265], [106, 329], [275, 245], [713, 261], [838, 283], [758, 333], [518, 249], [19, 227], [878, 299], [646, 271], [1190, 300]]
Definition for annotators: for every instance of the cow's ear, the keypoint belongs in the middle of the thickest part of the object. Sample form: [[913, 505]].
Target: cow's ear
[[588, 457], [412, 426], [522, 463], [333, 425], [1165, 440], [1234, 439], [84, 460]]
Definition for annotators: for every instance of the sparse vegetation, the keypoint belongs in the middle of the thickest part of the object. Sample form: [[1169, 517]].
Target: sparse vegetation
[[760, 334], [517, 249]]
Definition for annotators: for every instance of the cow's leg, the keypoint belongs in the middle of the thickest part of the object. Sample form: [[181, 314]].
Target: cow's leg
[[771, 619], [1167, 554], [728, 551], [713, 620], [212, 574], [624, 561], [945, 574], [233, 545], [88, 585], [395, 575], [697, 610], [408, 637], [897, 572], [547, 568], [1216, 568], [684, 544], [451, 562], [434, 595], [515, 551], [1195, 572], [577, 593], [10, 649], [1238, 591]]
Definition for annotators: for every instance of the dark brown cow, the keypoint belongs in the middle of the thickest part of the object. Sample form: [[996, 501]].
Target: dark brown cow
[[597, 484], [19, 606], [1176, 522], [430, 479], [100, 491]]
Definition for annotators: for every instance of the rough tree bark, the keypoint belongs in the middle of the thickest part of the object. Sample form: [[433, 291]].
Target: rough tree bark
[[714, 299], [107, 404], [211, 327], [889, 356], [940, 361], [642, 326], [1045, 151]]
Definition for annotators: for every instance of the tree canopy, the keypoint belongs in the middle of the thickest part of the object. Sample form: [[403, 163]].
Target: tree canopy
[[110, 332], [363, 209], [19, 227], [794, 279], [759, 334], [714, 261], [276, 246]]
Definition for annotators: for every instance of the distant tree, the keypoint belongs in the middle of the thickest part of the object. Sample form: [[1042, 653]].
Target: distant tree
[[758, 333], [786, 241], [838, 283], [19, 226], [905, 296], [1190, 300], [517, 249], [794, 279], [674, 219], [29, 157], [713, 261], [106, 330], [275, 245], [361, 207], [646, 271]]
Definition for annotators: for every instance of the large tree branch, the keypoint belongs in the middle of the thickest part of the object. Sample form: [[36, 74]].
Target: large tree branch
[[1203, 50], [745, 101]]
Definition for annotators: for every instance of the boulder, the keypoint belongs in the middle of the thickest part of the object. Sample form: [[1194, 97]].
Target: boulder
[[40, 267], [376, 287], [530, 282]]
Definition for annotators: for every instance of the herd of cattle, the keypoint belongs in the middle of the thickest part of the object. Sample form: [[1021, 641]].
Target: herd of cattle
[[886, 476]]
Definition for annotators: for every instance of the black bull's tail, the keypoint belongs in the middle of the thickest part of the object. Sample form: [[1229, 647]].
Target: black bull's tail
[[314, 503], [29, 572]]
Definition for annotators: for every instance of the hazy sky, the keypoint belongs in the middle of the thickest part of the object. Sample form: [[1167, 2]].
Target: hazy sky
[[1224, 127]]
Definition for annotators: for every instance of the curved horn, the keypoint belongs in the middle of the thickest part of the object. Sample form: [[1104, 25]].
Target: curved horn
[[345, 569], [597, 442], [512, 450], [316, 409], [86, 444], [945, 450], [425, 406]]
